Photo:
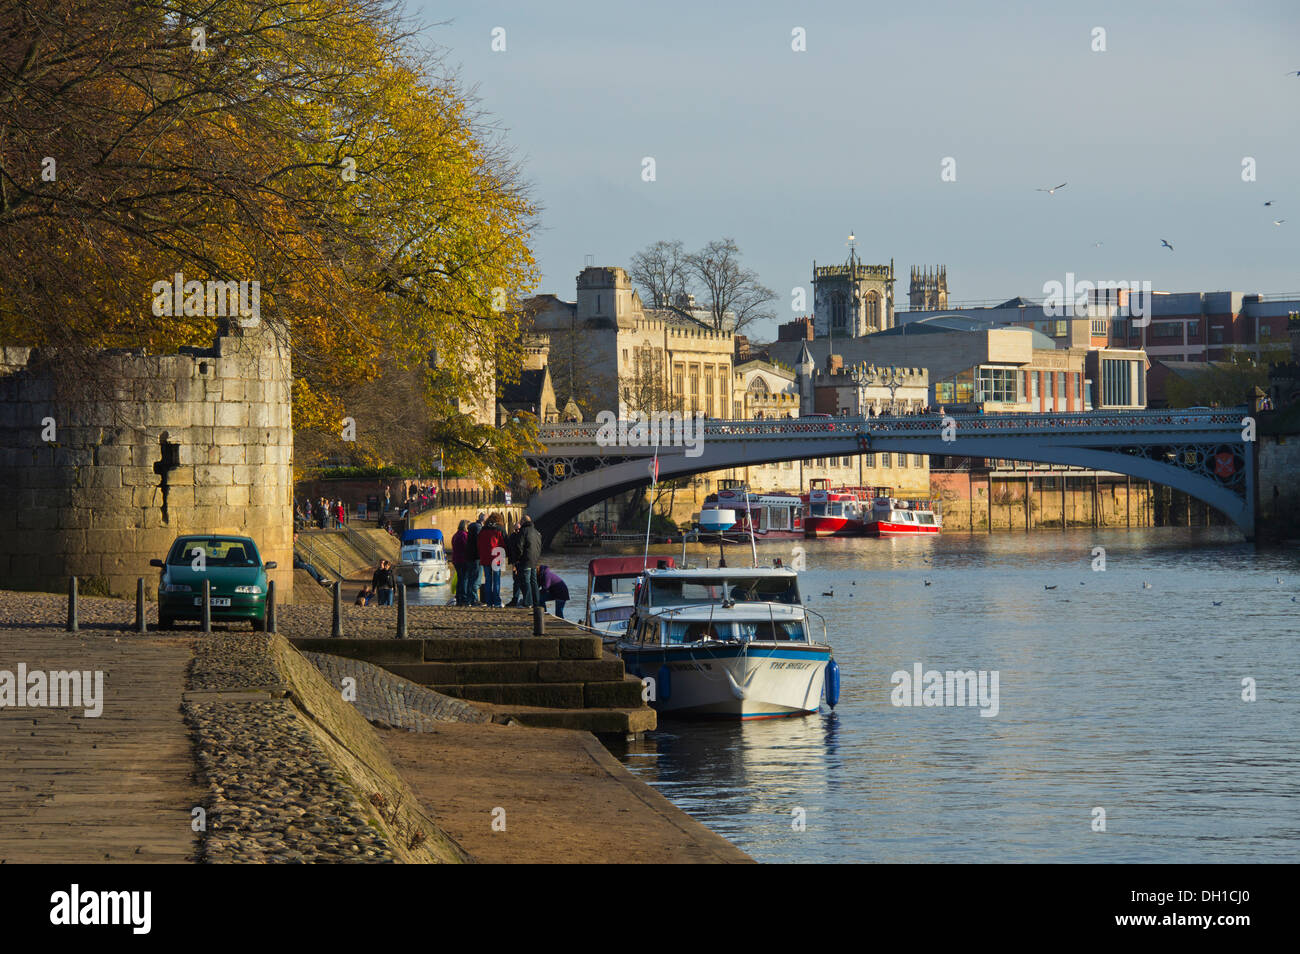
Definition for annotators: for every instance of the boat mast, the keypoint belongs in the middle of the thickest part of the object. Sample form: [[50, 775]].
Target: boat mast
[[753, 548]]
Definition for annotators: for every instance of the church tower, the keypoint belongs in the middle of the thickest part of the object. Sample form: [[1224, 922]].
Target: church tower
[[853, 299], [928, 290]]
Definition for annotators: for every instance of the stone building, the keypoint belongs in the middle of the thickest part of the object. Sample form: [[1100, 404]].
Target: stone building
[[103, 473], [641, 359], [853, 299]]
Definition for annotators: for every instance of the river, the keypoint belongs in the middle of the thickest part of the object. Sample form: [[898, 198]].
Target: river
[[1113, 696]]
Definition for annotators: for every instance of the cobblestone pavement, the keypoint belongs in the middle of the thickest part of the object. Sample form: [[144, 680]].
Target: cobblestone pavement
[[393, 702], [272, 793]]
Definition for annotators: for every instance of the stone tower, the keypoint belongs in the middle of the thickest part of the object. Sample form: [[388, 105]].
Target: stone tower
[[102, 478], [928, 290], [853, 299]]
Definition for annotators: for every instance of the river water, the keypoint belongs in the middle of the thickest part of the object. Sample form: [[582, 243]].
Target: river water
[[1112, 696]]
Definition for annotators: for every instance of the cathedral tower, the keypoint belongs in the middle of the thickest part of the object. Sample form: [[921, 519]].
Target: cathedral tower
[[929, 288], [853, 299]]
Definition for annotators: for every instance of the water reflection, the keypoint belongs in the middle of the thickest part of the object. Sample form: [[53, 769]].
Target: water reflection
[[1118, 689]]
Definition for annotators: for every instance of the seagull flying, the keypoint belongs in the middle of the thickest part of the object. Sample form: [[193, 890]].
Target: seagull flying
[[1269, 202], [1146, 585], [1294, 73], [1096, 245], [1165, 243], [1278, 221], [1052, 190]]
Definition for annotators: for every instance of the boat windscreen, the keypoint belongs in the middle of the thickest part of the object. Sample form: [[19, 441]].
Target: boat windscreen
[[762, 589]]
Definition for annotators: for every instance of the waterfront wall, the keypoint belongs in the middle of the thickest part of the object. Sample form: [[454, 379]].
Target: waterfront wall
[[1277, 514], [102, 471], [1112, 503]]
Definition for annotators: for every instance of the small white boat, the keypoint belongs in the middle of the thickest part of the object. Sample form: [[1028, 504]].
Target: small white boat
[[728, 643], [611, 586], [423, 561]]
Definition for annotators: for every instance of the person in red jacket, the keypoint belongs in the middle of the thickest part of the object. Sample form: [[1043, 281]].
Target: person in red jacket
[[491, 556]]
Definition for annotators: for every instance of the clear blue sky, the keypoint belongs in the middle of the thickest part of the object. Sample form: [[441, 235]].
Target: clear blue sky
[[786, 152]]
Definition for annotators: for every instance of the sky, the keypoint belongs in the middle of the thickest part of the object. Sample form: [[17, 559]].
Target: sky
[[788, 151]]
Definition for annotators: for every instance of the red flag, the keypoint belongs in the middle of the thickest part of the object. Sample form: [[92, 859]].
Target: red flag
[[654, 468]]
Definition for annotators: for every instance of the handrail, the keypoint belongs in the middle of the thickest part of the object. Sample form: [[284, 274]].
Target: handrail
[[363, 546], [318, 559]]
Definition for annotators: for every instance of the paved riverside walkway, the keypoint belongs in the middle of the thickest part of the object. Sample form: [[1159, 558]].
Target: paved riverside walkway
[[120, 787], [565, 798], [116, 788]]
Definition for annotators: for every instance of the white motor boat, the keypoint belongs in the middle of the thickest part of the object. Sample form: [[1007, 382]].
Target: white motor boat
[[611, 586], [423, 561], [728, 643]]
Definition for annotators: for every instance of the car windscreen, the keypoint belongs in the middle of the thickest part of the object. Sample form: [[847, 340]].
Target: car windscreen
[[217, 551]]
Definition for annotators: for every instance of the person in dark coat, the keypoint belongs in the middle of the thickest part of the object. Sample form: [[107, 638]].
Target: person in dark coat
[[530, 555], [383, 583], [514, 543], [472, 567], [551, 587], [460, 560]]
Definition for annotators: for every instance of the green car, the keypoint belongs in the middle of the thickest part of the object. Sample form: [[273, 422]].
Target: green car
[[231, 565]]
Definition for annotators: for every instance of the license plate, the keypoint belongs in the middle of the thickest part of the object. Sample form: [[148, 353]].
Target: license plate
[[216, 601]]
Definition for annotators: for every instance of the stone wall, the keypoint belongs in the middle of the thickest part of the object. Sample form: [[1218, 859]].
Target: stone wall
[[144, 448], [1277, 517]]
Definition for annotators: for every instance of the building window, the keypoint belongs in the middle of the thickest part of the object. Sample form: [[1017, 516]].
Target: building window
[[999, 384], [839, 311], [873, 311], [1193, 330], [1033, 386], [1060, 385], [708, 389], [868, 460], [916, 461], [884, 460], [1115, 383], [1265, 331], [902, 460], [679, 380]]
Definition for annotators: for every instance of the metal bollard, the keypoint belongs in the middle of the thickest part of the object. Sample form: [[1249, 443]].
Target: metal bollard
[[270, 606], [401, 610], [206, 617], [140, 625], [539, 620], [72, 604], [338, 610]]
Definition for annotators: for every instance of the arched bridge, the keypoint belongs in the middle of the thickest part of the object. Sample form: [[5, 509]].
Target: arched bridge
[[1204, 454]]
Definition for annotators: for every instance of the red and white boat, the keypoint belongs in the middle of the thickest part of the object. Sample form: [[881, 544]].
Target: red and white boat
[[776, 516], [838, 512], [892, 517]]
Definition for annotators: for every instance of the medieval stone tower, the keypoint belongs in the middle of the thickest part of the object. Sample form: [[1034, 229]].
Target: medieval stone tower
[[853, 299], [928, 290], [102, 478]]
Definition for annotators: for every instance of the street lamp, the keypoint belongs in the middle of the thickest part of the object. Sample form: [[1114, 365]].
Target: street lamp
[[891, 378]]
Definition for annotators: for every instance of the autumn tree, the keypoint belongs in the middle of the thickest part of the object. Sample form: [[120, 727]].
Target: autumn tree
[[310, 146]]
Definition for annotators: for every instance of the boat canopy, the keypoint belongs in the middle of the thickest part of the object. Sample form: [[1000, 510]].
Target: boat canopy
[[626, 566], [415, 536]]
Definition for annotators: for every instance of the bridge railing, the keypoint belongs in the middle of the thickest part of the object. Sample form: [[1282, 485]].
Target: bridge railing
[[588, 433]]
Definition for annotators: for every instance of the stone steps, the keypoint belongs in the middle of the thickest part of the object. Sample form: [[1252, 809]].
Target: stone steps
[[565, 680]]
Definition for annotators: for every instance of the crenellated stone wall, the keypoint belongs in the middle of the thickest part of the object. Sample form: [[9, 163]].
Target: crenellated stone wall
[[100, 474]]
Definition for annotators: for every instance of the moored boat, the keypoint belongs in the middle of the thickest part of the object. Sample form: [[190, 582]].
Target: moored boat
[[837, 512], [423, 561], [772, 516], [892, 517], [728, 643], [611, 587]]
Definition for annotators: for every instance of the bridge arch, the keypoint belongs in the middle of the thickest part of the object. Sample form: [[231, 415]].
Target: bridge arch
[[1202, 455]]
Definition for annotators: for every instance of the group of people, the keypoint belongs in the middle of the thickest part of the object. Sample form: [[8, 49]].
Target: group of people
[[325, 514], [421, 497], [481, 549]]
